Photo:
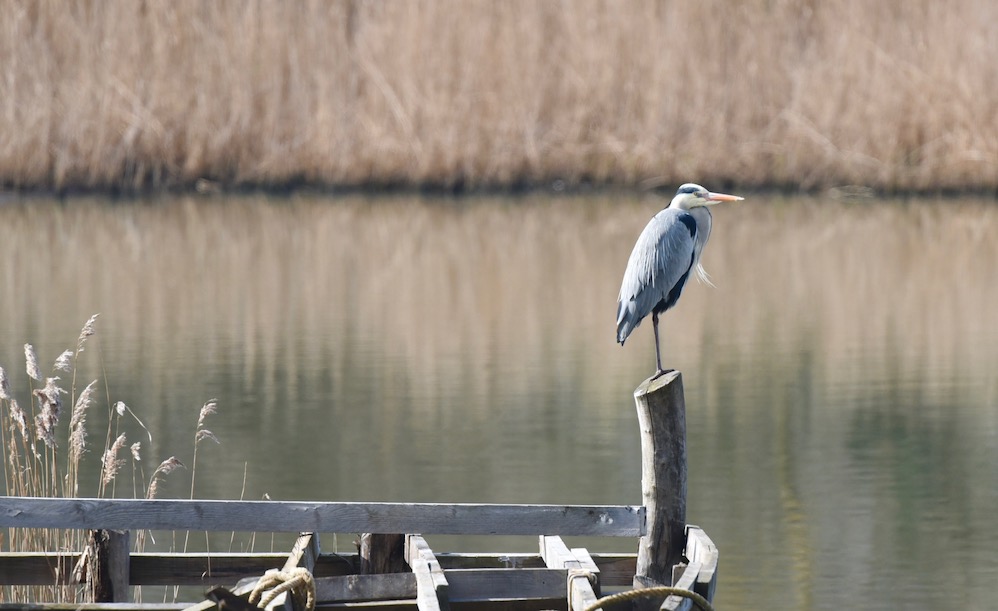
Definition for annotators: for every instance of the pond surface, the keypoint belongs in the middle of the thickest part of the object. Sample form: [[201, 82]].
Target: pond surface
[[841, 378]]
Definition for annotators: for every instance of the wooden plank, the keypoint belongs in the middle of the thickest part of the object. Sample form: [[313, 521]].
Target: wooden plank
[[506, 584], [684, 580], [586, 560], [662, 423], [379, 605], [357, 588], [39, 568], [488, 560], [556, 554], [588, 564], [431, 584], [287, 516], [133, 606], [302, 555], [699, 548], [580, 592], [199, 569], [304, 552]]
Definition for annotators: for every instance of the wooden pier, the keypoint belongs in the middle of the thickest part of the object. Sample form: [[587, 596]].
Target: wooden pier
[[395, 568]]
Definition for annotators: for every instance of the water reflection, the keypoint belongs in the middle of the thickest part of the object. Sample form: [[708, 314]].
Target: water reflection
[[841, 379]]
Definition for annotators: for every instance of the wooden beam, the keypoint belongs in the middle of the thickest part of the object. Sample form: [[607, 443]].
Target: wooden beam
[[431, 584], [581, 592], [147, 568], [357, 588], [700, 549], [287, 516], [685, 576], [662, 422], [304, 553], [589, 564], [471, 585], [556, 554]]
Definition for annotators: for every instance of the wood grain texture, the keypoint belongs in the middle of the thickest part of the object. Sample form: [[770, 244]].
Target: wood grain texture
[[700, 549], [662, 422], [286, 516], [431, 584]]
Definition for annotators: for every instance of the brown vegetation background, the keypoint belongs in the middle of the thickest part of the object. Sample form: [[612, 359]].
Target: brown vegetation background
[[896, 95]]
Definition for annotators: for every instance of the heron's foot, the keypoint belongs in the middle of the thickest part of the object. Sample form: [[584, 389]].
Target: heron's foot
[[660, 373]]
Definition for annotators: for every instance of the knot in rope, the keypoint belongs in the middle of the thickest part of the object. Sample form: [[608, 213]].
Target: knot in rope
[[298, 581]]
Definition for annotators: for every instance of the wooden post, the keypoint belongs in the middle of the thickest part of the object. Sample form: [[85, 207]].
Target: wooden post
[[108, 566], [662, 421], [382, 554]]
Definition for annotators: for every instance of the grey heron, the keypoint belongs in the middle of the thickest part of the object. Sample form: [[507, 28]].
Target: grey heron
[[666, 252]]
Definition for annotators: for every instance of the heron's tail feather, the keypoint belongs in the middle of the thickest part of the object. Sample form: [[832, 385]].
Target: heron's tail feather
[[627, 320]]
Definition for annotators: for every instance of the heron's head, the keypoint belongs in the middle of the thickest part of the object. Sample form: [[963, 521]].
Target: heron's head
[[691, 195]]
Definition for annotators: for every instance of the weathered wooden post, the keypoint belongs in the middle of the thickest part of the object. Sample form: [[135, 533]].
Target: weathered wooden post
[[662, 421], [107, 566], [382, 554]]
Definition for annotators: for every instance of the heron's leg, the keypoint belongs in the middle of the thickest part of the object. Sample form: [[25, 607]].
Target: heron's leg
[[658, 354]]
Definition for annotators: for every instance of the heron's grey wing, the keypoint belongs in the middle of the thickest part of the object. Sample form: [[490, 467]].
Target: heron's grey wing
[[660, 261]]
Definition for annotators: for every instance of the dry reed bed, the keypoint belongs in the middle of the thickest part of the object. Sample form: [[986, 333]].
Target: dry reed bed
[[118, 94]]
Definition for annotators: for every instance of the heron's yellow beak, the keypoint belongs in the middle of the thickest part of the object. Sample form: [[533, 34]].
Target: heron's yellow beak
[[722, 197]]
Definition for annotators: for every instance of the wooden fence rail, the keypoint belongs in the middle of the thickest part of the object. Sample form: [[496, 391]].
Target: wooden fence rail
[[296, 516], [411, 574]]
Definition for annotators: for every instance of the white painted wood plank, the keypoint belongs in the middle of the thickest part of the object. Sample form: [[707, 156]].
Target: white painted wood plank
[[286, 516]]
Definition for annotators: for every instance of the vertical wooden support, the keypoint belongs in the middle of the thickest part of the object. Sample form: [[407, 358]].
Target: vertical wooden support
[[662, 421], [382, 554], [108, 566]]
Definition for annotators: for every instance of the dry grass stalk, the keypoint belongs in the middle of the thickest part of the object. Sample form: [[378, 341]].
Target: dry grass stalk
[[34, 467], [4, 385], [165, 468], [50, 406], [78, 437], [201, 433], [110, 461]]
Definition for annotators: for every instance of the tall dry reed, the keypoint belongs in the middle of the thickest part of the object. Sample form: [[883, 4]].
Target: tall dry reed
[[120, 94], [36, 464]]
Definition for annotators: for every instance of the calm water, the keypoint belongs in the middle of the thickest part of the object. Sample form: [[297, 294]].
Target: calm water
[[841, 379]]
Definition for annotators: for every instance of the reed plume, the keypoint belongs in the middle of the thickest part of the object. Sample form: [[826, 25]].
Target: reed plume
[[110, 461], [31, 363]]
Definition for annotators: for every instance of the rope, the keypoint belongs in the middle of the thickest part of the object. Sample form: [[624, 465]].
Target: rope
[[698, 600], [298, 580]]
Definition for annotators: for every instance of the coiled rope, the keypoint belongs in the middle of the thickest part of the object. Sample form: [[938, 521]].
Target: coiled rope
[[613, 599], [298, 581]]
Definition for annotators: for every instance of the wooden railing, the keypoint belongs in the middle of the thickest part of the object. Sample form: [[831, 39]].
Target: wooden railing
[[557, 576]]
